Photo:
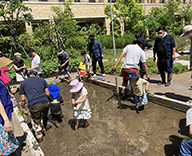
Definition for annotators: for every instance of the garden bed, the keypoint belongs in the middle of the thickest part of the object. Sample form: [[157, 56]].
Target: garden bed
[[115, 129]]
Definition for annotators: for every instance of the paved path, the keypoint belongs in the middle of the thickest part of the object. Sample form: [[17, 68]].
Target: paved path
[[178, 89]]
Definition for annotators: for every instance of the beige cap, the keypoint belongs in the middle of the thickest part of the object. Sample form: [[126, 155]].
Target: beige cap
[[17, 54], [186, 29]]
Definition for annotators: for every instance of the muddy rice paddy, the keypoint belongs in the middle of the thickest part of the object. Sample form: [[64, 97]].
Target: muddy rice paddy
[[115, 130]]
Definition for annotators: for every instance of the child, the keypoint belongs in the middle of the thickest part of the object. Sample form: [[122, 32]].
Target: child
[[87, 62], [137, 85], [80, 103], [56, 103]]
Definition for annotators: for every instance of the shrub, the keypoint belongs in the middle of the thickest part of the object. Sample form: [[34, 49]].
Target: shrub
[[152, 66], [120, 42], [178, 31], [181, 43], [178, 68], [76, 42]]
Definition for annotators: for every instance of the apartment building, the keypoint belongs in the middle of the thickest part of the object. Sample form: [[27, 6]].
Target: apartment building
[[85, 11]]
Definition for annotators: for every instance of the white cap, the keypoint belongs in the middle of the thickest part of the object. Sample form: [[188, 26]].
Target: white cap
[[17, 54], [186, 29]]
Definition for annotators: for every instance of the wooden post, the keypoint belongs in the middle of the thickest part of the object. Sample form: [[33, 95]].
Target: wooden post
[[117, 87]]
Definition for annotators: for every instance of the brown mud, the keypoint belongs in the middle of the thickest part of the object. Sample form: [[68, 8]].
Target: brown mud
[[115, 130]]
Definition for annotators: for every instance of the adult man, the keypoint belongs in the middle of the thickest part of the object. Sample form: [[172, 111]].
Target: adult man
[[186, 146], [187, 32], [165, 49], [134, 54], [63, 63], [36, 90], [36, 61], [96, 52]]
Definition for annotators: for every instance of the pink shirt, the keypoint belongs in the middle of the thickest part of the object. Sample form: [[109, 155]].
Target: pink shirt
[[4, 76]]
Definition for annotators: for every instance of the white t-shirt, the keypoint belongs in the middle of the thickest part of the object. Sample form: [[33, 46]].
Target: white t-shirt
[[134, 54], [189, 117], [36, 60]]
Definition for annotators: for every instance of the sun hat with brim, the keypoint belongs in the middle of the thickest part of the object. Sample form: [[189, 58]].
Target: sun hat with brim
[[75, 86], [132, 75], [54, 90], [4, 61], [186, 29]]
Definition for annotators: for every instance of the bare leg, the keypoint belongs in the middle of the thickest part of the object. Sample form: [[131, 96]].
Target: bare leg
[[76, 124], [57, 74], [137, 106], [68, 73], [123, 87], [85, 123]]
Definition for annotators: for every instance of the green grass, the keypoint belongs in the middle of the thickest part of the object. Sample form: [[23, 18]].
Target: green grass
[[108, 53]]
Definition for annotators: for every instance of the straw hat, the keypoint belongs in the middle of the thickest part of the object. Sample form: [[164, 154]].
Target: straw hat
[[4, 61]]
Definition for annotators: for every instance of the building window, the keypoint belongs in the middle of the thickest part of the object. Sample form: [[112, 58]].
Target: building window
[[184, 1], [92, 1], [112, 1], [43, 0], [162, 1], [75, 0]]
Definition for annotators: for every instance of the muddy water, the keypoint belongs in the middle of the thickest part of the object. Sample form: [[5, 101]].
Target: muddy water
[[118, 131]]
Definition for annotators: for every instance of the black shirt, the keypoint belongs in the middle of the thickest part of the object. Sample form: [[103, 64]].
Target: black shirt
[[19, 65]]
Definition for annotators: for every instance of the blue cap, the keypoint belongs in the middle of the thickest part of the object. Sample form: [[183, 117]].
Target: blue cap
[[139, 40], [132, 75], [54, 90]]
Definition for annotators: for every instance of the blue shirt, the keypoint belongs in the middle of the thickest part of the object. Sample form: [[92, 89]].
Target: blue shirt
[[34, 89], [95, 49], [6, 102]]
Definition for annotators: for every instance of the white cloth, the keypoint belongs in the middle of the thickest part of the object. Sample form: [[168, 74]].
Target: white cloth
[[35, 61], [134, 54], [20, 77], [189, 117]]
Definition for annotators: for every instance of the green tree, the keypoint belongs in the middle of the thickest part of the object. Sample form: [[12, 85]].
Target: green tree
[[129, 12], [186, 13], [14, 13]]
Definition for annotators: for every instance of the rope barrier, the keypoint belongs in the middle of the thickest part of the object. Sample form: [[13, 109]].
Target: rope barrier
[[131, 135]]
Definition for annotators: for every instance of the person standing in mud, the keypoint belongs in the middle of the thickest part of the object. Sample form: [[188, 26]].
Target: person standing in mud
[[186, 146], [36, 90], [165, 49], [145, 44], [134, 54], [80, 103]]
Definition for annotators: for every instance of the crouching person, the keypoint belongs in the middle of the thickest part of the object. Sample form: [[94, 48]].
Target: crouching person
[[37, 93], [140, 93], [56, 103], [186, 146]]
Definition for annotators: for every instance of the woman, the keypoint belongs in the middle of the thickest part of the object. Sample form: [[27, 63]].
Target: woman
[[8, 142], [80, 102], [20, 68]]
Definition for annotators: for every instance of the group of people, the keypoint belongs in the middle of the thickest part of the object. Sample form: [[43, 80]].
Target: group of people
[[42, 97]]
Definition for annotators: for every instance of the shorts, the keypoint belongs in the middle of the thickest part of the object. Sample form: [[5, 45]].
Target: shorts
[[65, 67], [88, 69], [20, 77], [39, 111], [126, 71], [142, 99]]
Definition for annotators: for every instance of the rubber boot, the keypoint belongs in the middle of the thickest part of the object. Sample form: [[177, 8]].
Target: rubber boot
[[169, 78], [163, 78]]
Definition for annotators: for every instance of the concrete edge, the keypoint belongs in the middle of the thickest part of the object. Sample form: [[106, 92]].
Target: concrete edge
[[30, 139], [157, 99]]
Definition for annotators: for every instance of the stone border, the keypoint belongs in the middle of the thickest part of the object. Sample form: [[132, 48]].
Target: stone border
[[157, 99], [30, 139]]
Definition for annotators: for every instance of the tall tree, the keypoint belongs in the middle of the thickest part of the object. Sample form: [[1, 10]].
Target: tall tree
[[186, 13], [129, 12], [14, 13]]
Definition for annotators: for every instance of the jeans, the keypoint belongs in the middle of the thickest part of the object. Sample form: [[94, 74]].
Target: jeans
[[186, 148], [94, 63], [142, 99]]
